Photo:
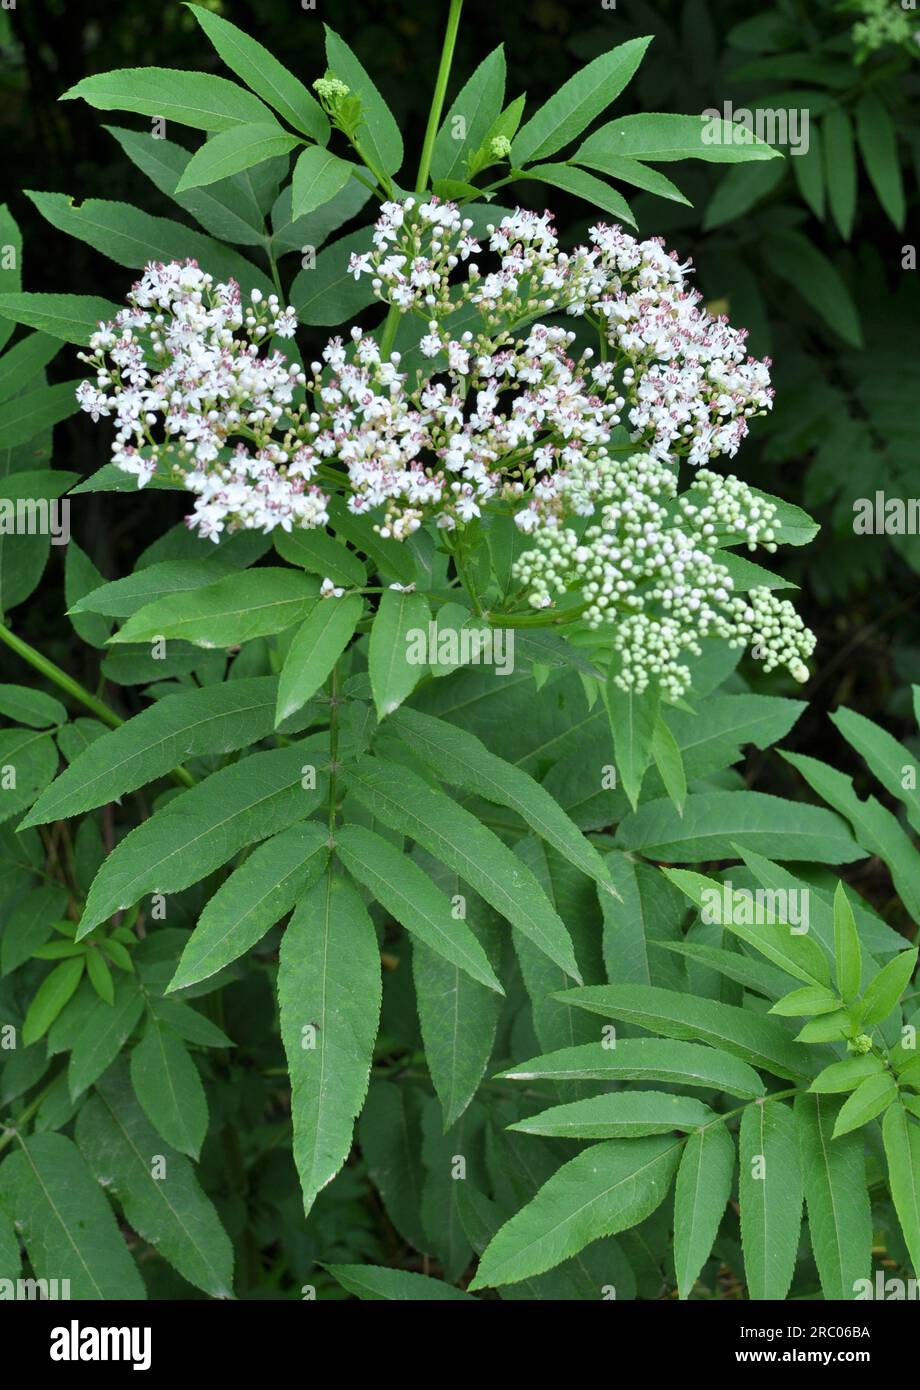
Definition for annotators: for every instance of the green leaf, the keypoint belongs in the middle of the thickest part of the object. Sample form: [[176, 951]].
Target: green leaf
[[605, 1189], [840, 168], [713, 821], [585, 186], [462, 760], [52, 995], [73, 318], [201, 828], [168, 1085], [477, 106], [702, 1190], [770, 1198], [33, 707], [412, 899], [66, 1224], [102, 1032], [318, 177], [878, 830], [647, 914], [133, 238], [317, 646], [228, 210], [123, 597], [883, 993], [458, 1017], [802, 1003], [623, 1115], [235, 609], [262, 72], [659, 138], [316, 228], [402, 800], [255, 896], [378, 1282], [230, 151], [632, 722], [577, 102], [740, 190], [888, 759], [190, 98], [391, 1139], [756, 1040], [878, 146], [216, 719], [902, 1150], [191, 1025], [28, 924], [391, 557], [378, 133], [328, 293], [169, 1211], [100, 976], [393, 674], [644, 1059], [738, 911], [630, 171], [836, 1197], [319, 553], [329, 996], [829, 1027], [23, 363], [669, 762], [808, 168], [11, 267], [847, 950], [846, 1075], [792, 257], [870, 1098], [28, 414]]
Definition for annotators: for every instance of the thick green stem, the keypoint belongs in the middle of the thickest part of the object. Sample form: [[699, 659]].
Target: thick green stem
[[58, 677], [440, 91], [74, 689], [537, 618], [391, 322]]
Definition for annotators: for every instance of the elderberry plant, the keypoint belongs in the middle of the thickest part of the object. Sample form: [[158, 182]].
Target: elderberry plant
[[320, 867]]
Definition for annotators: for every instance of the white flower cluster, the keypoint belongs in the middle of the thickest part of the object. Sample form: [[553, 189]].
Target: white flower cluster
[[683, 376], [184, 358], [506, 409], [649, 567]]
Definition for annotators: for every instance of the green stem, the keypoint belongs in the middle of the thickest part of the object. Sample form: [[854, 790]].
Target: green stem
[[13, 1131], [391, 322], [273, 266], [58, 677], [544, 618], [74, 689], [468, 583], [440, 91]]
